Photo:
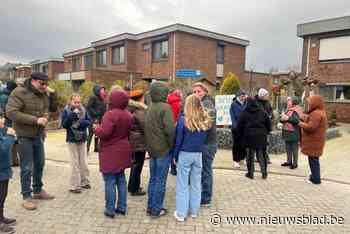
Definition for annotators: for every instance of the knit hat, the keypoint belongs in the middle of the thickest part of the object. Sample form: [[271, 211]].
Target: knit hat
[[262, 92], [11, 85], [240, 92], [39, 76], [135, 93]]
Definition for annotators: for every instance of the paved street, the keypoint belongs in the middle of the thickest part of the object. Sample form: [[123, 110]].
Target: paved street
[[234, 195]]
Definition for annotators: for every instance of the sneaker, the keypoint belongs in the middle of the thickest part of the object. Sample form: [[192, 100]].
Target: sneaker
[[9, 221], [264, 176], [194, 216], [236, 165], [149, 211], [5, 228], [178, 218], [205, 204], [43, 195], [139, 192], [109, 214], [248, 175], [29, 204], [161, 213], [120, 212], [293, 167], [75, 191], [286, 164], [88, 186]]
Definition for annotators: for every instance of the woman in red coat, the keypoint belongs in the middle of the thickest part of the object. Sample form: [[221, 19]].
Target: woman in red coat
[[313, 135], [115, 151]]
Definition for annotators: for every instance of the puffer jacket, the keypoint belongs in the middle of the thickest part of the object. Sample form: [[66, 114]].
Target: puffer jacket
[[25, 105], [96, 107], [159, 122], [137, 132]]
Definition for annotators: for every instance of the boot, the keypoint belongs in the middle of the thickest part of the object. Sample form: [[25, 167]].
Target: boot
[[6, 220], [5, 228], [43, 195]]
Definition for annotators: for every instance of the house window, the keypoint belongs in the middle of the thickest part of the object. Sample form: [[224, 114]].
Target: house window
[[44, 69], [220, 55], [101, 58], [88, 61], [76, 64], [335, 92], [160, 50], [118, 55]]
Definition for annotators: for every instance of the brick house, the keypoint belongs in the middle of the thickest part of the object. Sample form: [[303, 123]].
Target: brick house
[[157, 54], [326, 57], [51, 66]]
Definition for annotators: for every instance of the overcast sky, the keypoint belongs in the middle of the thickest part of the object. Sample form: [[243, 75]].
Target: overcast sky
[[34, 29]]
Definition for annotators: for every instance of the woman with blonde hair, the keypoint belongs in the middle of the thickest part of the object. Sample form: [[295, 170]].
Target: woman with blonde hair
[[191, 134]]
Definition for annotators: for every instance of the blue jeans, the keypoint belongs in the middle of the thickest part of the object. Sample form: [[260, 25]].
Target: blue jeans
[[189, 167], [314, 164], [159, 168], [208, 155], [111, 181], [32, 161]]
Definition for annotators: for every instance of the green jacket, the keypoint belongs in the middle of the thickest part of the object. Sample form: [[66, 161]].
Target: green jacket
[[159, 123], [292, 136], [25, 105]]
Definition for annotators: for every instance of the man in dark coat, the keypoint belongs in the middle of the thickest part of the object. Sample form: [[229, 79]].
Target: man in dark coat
[[96, 108], [264, 104], [28, 107], [254, 125], [237, 106]]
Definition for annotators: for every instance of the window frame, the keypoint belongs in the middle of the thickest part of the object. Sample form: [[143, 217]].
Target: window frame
[[92, 59], [114, 48], [161, 58], [98, 64], [218, 59]]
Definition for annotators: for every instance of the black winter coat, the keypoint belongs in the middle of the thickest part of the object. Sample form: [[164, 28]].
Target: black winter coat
[[253, 126], [96, 107]]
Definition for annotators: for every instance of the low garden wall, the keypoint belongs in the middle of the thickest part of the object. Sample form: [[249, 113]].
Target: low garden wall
[[276, 143]]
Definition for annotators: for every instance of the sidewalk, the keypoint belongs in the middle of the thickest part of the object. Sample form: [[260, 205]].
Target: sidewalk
[[335, 162]]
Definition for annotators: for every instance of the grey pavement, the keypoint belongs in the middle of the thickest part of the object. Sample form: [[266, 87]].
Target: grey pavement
[[235, 196]]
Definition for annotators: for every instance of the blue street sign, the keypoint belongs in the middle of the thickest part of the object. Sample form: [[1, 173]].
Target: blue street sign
[[188, 73]]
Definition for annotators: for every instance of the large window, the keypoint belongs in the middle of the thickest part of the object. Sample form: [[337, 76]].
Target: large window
[[76, 63], [335, 48], [118, 55], [160, 50], [88, 61], [336, 92], [101, 58], [45, 68], [220, 55]]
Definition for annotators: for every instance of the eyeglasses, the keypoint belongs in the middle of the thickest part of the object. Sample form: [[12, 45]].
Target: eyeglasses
[[43, 83]]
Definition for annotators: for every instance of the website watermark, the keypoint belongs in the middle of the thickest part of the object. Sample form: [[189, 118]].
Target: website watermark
[[217, 219]]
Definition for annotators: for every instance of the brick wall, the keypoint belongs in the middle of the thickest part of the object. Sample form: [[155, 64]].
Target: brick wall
[[196, 52], [55, 67], [325, 72], [259, 80]]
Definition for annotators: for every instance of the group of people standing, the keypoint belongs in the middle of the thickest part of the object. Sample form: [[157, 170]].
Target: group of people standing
[[175, 131], [252, 122]]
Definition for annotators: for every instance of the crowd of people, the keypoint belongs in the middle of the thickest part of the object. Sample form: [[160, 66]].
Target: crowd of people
[[176, 130]]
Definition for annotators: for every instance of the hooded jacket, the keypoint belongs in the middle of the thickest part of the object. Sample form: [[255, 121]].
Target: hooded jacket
[[208, 103], [174, 100], [115, 148], [25, 105], [5, 160], [313, 134], [96, 107], [137, 133], [253, 125], [159, 122]]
